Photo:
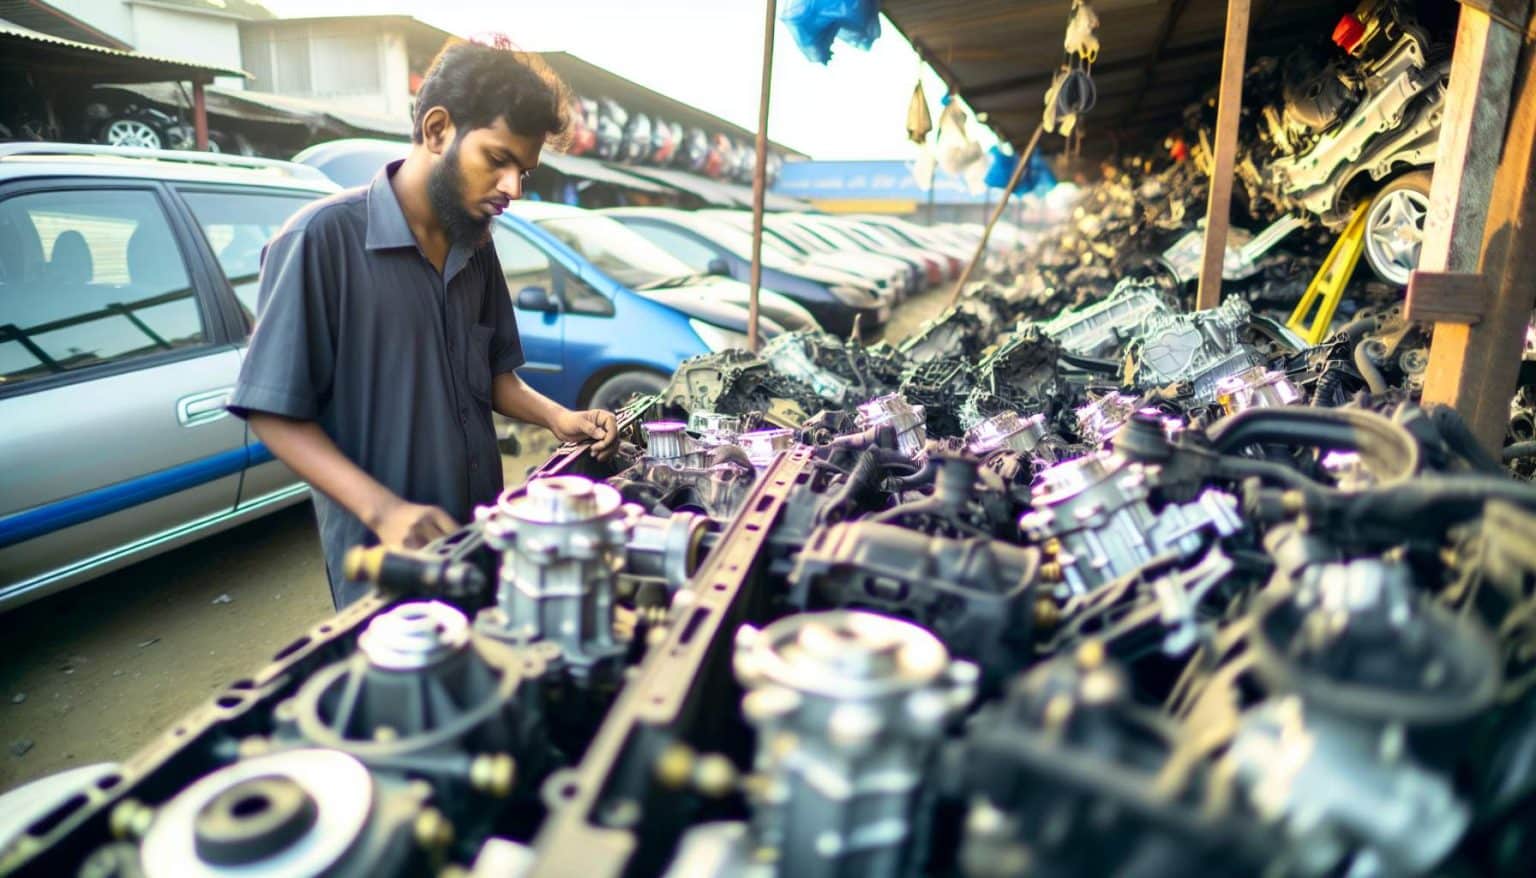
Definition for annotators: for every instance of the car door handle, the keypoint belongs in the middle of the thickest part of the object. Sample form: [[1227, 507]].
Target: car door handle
[[201, 408]]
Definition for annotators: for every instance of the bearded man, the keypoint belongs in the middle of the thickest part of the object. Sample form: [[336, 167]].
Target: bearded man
[[385, 335]]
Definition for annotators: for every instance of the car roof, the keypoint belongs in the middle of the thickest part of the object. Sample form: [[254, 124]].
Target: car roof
[[34, 160], [538, 210]]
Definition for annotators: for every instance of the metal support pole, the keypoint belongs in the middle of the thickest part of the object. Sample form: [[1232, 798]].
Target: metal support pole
[[1229, 107], [199, 114], [760, 175], [1481, 318], [981, 246]]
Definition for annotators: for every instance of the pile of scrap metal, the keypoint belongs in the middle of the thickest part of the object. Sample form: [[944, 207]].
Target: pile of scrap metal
[[1105, 595]]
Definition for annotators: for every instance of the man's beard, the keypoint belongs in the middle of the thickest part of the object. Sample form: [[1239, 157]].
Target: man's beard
[[445, 191]]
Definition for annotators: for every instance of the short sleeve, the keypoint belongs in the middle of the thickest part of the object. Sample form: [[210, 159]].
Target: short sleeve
[[506, 343], [289, 365]]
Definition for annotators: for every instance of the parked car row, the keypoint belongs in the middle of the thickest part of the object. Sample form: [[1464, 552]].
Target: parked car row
[[128, 284]]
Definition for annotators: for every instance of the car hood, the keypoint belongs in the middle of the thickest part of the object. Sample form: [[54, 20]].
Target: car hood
[[775, 306], [699, 303]]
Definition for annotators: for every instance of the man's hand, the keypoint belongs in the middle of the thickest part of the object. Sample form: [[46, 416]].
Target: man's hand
[[595, 425], [411, 525]]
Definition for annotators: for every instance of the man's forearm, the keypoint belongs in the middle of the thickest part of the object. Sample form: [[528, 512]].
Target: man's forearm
[[308, 451], [515, 399]]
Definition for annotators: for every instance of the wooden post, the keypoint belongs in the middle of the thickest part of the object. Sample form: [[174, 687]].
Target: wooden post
[[1480, 334], [1229, 108], [981, 246], [199, 115], [760, 177]]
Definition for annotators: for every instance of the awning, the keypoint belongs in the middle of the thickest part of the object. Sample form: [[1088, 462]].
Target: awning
[[709, 190], [258, 106], [591, 169], [39, 53]]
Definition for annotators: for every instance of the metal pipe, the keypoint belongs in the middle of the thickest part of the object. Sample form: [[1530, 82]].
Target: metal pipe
[[760, 176], [981, 246]]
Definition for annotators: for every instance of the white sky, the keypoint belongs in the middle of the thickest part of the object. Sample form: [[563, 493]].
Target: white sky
[[706, 53]]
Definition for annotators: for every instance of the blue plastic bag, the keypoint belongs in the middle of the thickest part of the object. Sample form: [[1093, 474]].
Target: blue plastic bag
[[816, 23], [1036, 179]]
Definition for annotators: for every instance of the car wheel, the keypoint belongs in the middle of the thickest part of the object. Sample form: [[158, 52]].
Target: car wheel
[[131, 132], [1394, 227], [617, 389]]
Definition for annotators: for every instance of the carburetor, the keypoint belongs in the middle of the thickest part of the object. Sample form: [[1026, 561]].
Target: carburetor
[[906, 420], [1096, 508], [1006, 430], [849, 708], [562, 544], [1255, 388]]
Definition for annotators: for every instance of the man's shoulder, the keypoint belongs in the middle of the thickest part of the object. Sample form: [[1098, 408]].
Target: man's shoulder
[[347, 209]]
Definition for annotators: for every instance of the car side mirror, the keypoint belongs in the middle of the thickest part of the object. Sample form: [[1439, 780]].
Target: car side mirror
[[535, 299], [719, 266]]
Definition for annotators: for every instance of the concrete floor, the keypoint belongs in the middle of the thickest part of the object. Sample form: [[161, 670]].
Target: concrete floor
[[94, 672]]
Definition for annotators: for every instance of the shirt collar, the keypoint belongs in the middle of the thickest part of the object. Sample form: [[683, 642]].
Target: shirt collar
[[387, 227], [386, 221]]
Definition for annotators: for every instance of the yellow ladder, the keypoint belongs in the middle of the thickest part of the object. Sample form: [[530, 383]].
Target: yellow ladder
[[1327, 287]]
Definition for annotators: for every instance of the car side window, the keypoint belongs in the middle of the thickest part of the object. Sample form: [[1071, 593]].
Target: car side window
[[238, 226], [523, 264], [89, 277], [688, 251]]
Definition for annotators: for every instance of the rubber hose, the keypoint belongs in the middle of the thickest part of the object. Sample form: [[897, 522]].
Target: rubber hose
[[1355, 329], [1368, 370], [1453, 428], [1391, 452], [921, 478], [1519, 451], [1327, 383]]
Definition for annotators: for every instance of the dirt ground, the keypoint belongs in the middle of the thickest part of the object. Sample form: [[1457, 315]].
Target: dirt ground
[[94, 672]]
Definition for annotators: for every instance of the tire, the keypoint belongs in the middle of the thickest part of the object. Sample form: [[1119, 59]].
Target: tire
[[128, 131], [1394, 227], [616, 389]]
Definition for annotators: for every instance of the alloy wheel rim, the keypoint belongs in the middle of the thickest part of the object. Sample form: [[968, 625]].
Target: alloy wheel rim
[[131, 132], [1395, 233]]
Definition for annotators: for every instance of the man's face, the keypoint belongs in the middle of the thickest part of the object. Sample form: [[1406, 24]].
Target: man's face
[[475, 178]]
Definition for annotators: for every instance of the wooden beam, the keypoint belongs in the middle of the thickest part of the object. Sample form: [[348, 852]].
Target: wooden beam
[[1218, 210], [199, 115], [1447, 297], [760, 177], [1475, 367]]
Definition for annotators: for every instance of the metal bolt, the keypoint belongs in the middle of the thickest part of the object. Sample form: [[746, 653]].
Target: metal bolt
[[253, 746], [493, 774], [714, 775], [131, 819], [1090, 655], [433, 830], [674, 767]]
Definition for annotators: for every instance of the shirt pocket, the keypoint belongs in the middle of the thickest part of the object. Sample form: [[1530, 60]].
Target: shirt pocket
[[478, 370]]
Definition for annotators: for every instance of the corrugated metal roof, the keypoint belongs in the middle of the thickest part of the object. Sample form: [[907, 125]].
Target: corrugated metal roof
[[22, 48], [1155, 58], [46, 18]]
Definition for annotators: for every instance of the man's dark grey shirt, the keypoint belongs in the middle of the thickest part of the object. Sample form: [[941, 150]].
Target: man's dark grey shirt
[[357, 331]]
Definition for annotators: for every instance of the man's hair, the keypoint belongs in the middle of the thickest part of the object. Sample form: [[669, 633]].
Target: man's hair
[[478, 84]]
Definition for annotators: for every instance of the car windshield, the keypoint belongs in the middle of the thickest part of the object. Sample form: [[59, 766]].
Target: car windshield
[[739, 242], [622, 254]]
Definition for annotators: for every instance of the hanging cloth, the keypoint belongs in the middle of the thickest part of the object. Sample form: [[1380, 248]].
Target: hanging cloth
[[919, 123]]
